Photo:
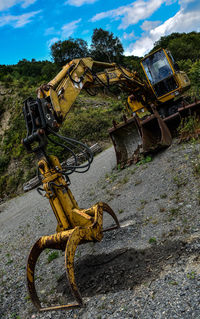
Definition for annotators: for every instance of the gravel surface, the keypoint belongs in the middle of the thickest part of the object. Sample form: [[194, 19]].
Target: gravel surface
[[149, 268]]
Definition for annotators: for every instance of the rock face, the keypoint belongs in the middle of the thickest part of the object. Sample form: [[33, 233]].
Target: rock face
[[4, 124], [147, 269], [4, 114]]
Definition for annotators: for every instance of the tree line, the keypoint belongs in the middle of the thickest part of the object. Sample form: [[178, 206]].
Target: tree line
[[104, 47], [25, 76], [185, 48]]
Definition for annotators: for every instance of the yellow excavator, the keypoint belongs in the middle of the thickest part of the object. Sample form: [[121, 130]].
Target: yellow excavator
[[153, 104], [156, 104]]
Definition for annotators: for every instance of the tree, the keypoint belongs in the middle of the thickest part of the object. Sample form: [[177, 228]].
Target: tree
[[105, 47], [164, 41], [49, 70], [183, 46], [133, 63], [65, 51]]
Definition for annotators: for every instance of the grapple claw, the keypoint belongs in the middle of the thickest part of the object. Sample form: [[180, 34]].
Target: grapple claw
[[108, 209], [69, 240], [75, 226], [32, 259], [70, 250], [57, 241]]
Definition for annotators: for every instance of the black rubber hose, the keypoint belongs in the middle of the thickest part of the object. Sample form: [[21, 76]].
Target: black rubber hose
[[81, 146]]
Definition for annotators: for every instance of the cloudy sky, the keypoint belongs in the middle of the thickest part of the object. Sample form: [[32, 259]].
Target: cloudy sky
[[29, 27]]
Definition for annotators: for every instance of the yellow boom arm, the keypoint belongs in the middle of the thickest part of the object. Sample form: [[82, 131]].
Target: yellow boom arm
[[79, 74]]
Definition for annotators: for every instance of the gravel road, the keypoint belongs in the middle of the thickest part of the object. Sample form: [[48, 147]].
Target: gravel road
[[18, 210], [147, 269]]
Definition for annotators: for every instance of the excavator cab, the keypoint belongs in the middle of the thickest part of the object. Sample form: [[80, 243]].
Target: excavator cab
[[157, 112], [164, 76], [147, 128]]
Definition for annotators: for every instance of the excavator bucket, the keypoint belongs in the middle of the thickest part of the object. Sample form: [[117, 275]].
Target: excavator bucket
[[68, 241], [155, 133], [126, 138], [134, 137]]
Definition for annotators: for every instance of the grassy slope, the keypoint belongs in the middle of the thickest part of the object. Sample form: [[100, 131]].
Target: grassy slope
[[88, 121]]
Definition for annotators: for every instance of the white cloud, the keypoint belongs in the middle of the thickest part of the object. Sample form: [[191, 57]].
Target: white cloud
[[183, 21], [51, 31], [27, 3], [186, 2], [69, 28], [128, 36], [6, 4], [52, 41], [78, 3], [140, 47], [190, 5], [131, 14], [170, 2], [17, 21], [66, 31], [148, 25]]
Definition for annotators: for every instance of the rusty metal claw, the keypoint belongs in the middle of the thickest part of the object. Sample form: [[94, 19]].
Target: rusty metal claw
[[56, 241], [68, 240], [32, 259], [73, 242], [108, 209]]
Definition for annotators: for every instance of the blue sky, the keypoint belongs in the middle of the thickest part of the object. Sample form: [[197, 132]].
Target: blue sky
[[29, 27]]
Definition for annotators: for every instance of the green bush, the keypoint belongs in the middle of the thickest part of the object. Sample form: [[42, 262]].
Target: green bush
[[13, 181], [52, 256], [91, 124], [4, 161], [2, 107], [2, 184], [189, 125]]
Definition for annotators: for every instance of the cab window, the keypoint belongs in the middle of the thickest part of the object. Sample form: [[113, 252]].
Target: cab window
[[157, 67]]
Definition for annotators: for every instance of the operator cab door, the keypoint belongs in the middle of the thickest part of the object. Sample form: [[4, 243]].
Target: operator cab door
[[159, 73]]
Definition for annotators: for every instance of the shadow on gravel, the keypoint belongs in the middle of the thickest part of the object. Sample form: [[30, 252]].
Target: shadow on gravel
[[121, 270]]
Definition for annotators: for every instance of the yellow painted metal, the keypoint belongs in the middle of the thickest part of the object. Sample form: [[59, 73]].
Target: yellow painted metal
[[183, 80], [60, 75], [180, 77], [76, 75], [75, 226], [60, 197], [137, 107], [116, 74]]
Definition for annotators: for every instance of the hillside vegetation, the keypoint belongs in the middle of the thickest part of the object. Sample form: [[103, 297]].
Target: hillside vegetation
[[88, 121], [89, 118]]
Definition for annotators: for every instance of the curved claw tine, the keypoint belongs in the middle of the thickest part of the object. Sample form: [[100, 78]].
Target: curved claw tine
[[35, 252], [32, 260], [108, 209], [70, 250]]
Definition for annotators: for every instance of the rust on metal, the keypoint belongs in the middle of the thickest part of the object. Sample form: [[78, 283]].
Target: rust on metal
[[125, 137], [135, 136], [75, 226], [68, 240]]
